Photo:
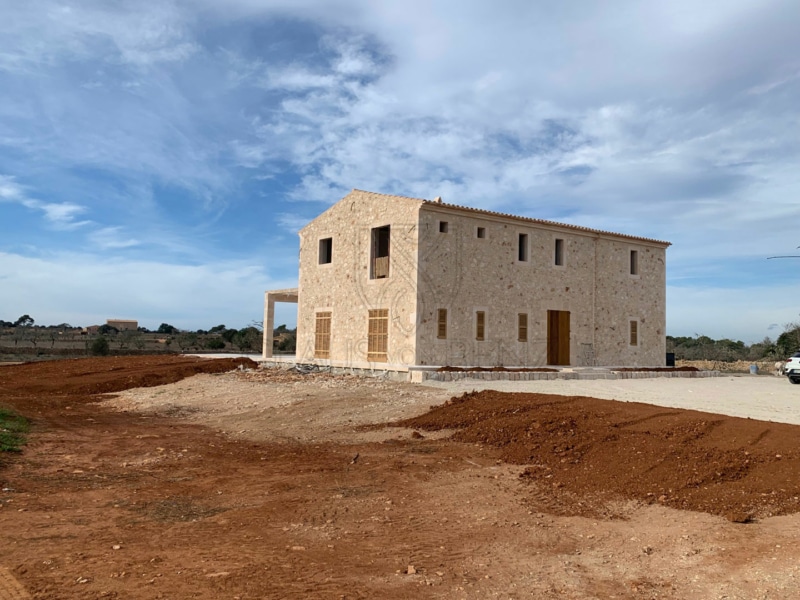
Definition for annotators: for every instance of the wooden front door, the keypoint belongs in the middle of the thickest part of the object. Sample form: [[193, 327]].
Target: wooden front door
[[558, 337]]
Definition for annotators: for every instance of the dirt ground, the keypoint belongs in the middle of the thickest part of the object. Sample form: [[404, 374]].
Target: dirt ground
[[268, 484]]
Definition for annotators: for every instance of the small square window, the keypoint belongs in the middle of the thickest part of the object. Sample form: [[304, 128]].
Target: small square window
[[634, 262], [325, 251], [480, 232], [443, 226]]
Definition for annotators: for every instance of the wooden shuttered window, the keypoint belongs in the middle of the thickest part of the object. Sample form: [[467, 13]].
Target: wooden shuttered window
[[480, 325], [378, 335], [522, 327], [322, 335], [634, 333], [441, 324]]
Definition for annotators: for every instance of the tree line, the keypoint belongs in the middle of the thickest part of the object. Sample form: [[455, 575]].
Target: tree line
[[168, 337], [702, 347]]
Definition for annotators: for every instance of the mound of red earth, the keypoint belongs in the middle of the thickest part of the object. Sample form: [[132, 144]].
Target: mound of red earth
[[583, 455], [39, 384]]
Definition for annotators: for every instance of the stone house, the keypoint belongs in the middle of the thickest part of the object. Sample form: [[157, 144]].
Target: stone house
[[123, 324], [391, 282]]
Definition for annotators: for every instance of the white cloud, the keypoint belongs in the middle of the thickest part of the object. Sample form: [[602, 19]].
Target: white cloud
[[82, 289], [109, 238], [60, 215], [292, 223]]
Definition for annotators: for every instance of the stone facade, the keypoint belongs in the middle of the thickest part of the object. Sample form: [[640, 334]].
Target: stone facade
[[466, 287]]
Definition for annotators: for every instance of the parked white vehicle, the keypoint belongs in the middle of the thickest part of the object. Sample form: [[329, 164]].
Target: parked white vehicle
[[792, 368]]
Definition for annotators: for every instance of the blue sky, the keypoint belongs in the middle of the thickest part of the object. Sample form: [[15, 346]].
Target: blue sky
[[157, 157]]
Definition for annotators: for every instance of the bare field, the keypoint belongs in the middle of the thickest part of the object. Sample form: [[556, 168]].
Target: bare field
[[278, 485]]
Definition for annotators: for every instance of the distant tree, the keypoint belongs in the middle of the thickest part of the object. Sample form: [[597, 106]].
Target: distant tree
[[229, 334], [217, 329], [765, 349], [186, 341], [99, 346], [215, 344], [56, 332], [127, 337], [32, 334], [167, 329], [141, 329], [280, 329], [24, 321], [248, 338], [789, 341], [138, 340], [107, 329], [287, 342]]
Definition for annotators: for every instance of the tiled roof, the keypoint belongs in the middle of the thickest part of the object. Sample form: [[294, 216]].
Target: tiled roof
[[481, 211], [395, 196]]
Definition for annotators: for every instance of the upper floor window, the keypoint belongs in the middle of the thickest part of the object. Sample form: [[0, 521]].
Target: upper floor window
[[634, 262], [443, 226], [559, 253], [325, 251], [480, 232], [522, 247], [379, 252]]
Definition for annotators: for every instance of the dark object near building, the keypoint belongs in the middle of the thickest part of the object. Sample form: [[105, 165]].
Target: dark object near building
[[670, 359]]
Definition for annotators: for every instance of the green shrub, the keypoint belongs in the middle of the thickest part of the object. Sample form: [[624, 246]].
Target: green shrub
[[99, 346], [13, 428], [215, 344]]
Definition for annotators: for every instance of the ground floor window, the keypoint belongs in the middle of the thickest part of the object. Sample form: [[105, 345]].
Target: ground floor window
[[322, 335], [441, 324], [480, 325], [522, 327], [378, 335], [634, 333]]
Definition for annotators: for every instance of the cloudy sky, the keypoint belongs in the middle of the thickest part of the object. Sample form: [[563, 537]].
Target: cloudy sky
[[158, 157]]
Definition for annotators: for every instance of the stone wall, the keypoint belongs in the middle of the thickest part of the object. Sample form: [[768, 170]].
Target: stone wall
[[344, 286], [464, 273]]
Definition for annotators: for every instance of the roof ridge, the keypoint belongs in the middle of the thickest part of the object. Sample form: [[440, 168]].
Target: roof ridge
[[389, 195], [543, 221]]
